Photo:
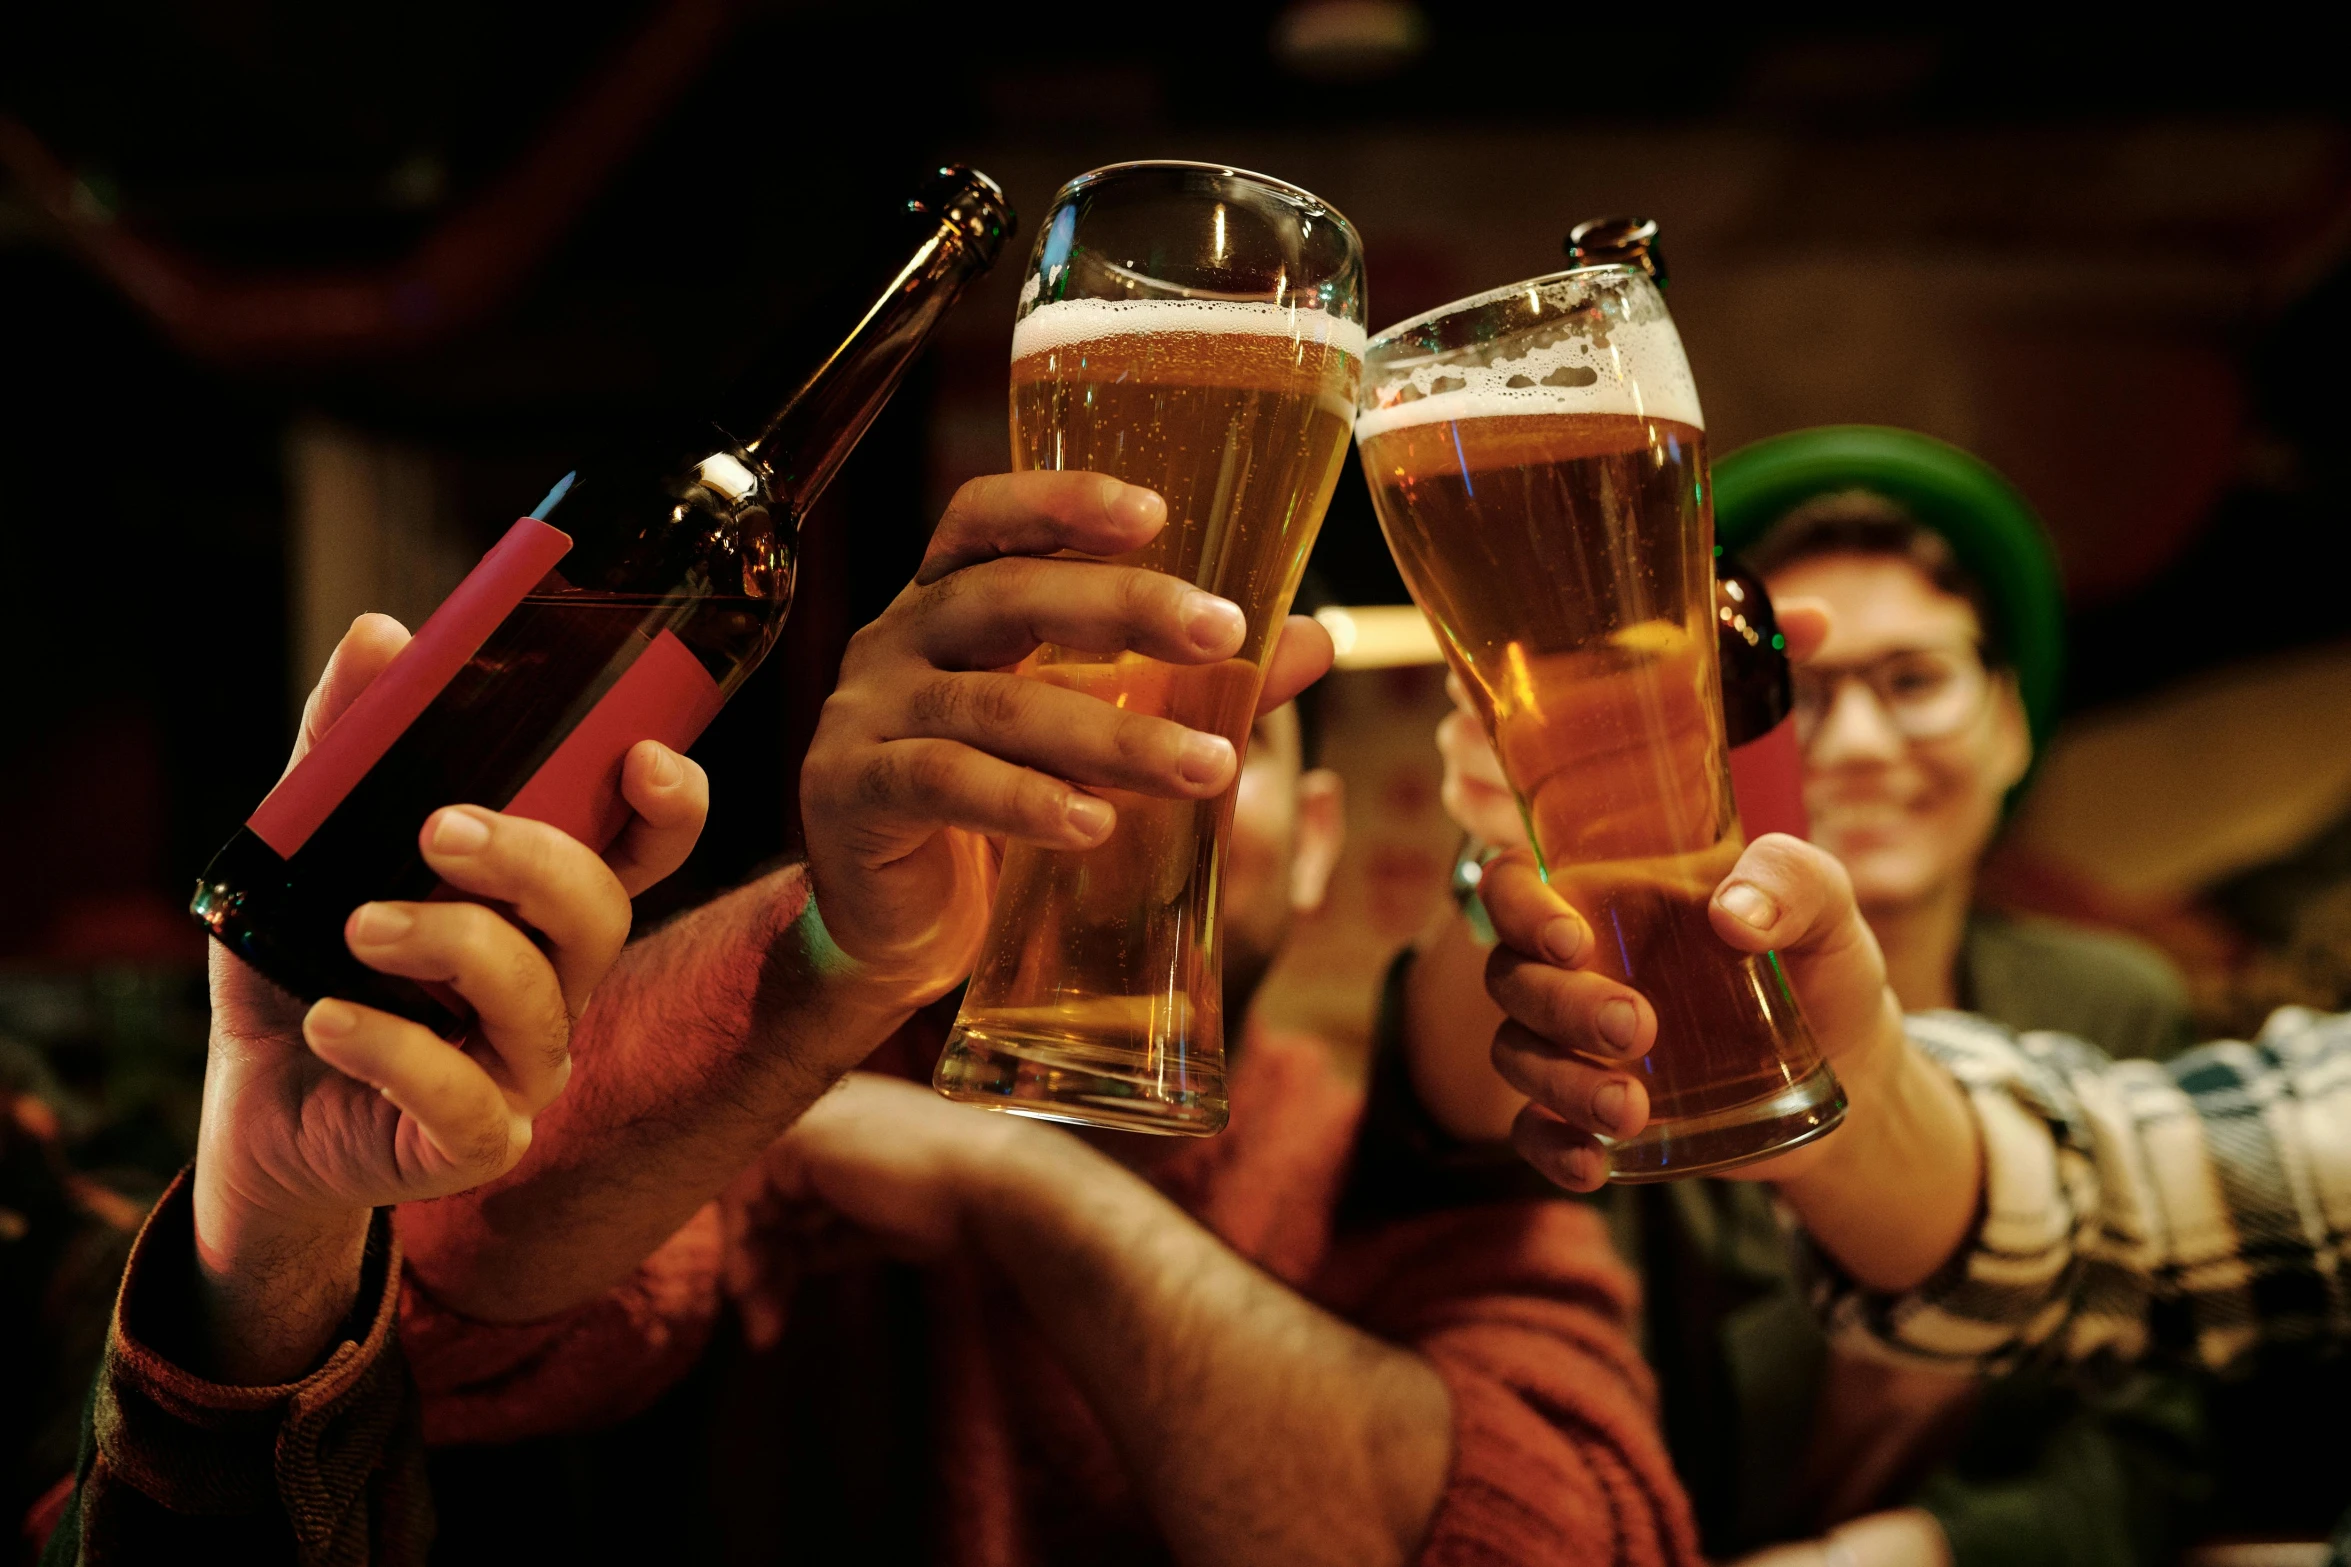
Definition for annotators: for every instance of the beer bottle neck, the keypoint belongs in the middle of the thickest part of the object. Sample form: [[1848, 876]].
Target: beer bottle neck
[[803, 445], [1757, 689]]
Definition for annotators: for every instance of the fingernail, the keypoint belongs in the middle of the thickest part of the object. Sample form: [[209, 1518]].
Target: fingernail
[[1747, 904], [1584, 1168], [1609, 1104], [1212, 622], [1139, 508], [1089, 817], [377, 923], [667, 769], [1134, 506], [1207, 758], [1563, 938], [459, 832], [1619, 1021], [332, 1019]]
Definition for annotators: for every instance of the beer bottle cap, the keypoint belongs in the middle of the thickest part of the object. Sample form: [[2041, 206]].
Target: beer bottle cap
[[1599, 242], [967, 201]]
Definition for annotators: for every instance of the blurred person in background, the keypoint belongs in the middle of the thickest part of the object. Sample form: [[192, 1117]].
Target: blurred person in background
[[255, 1311], [1918, 717]]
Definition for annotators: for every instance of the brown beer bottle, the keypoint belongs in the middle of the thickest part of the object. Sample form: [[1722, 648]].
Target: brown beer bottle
[[1758, 693], [628, 605], [1758, 704]]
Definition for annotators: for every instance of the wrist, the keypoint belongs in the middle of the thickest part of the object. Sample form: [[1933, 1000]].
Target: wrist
[[1896, 1195], [893, 984], [272, 1290], [1889, 1103], [273, 1280], [1873, 1080]]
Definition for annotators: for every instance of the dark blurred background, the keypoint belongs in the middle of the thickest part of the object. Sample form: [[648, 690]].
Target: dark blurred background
[[301, 305]]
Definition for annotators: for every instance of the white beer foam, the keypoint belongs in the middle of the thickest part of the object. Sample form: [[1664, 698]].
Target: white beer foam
[[1639, 370], [1068, 321]]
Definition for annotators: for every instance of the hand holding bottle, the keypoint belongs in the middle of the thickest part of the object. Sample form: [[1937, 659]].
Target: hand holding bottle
[[313, 1116], [930, 752]]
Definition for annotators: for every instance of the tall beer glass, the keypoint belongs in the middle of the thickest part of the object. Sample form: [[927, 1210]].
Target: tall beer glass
[[1198, 330], [1538, 461]]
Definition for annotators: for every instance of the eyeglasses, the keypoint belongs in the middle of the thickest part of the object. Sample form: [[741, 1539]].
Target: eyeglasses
[[1925, 693]]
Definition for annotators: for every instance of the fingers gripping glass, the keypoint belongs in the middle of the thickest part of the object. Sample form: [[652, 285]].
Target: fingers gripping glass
[[1924, 693], [1538, 461], [1198, 330]]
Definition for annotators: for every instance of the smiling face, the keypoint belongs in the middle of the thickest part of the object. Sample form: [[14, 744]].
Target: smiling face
[[1909, 816]]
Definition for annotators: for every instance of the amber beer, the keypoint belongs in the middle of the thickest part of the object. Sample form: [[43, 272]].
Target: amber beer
[[1097, 997], [1544, 489]]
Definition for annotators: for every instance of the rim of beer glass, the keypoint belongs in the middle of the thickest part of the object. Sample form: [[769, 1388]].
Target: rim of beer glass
[[1390, 336], [1348, 267], [1196, 166]]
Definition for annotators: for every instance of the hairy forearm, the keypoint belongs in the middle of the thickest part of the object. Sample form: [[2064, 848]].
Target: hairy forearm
[[705, 1042], [271, 1294], [1896, 1190], [1260, 1427]]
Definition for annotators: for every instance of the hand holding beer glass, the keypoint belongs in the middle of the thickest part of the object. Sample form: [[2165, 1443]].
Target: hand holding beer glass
[[1197, 330], [1538, 461]]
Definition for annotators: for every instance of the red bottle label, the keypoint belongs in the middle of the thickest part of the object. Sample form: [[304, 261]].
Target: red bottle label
[[665, 695], [309, 793], [1767, 780]]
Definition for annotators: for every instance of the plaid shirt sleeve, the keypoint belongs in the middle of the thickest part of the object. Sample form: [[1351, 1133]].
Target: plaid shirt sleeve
[[2193, 1210]]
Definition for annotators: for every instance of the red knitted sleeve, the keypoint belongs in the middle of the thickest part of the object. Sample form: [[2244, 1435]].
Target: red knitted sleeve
[[1525, 1311]]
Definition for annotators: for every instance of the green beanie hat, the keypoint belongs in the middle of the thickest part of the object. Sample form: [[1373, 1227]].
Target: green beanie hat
[[1991, 530]]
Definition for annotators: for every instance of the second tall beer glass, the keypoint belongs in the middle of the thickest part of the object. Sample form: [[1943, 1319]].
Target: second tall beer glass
[[1198, 330], [1538, 461]]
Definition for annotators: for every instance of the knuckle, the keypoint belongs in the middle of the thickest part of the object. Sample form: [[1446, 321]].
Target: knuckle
[[970, 496], [613, 919], [555, 1037], [837, 724], [479, 930], [936, 597], [879, 781], [936, 702], [1561, 1084], [525, 971], [1555, 1002], [1139, 596], [1031, 799], [525, 988], [866, 641], [1141, 739], [998, 705], [487, 1146], [534, 852], [930, 771], [1011, 578], [450, 935]]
